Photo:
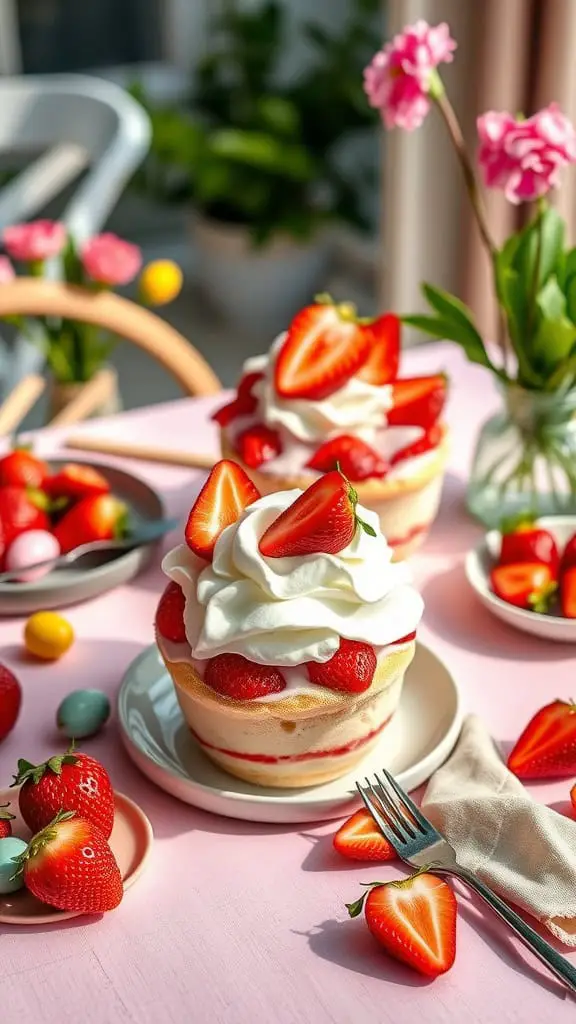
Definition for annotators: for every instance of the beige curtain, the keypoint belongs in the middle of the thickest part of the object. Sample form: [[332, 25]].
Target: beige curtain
[[515, 55]]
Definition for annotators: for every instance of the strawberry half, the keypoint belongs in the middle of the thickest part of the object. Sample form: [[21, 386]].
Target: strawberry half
[[431, 439], [568, 593], [381, 366], [257, 445], [356, 459], [418, 401], [524, 541], [71, 781], [351, 669], [244, 404], [415, 921], [547, 747], [223, 498], [524, 584], [170, 614], [359, 838], [232, 675], [324, 348], [69, 865], [5, 821], [100, 517], [20, 468], [322, 519], [75, 481], [10, 701]]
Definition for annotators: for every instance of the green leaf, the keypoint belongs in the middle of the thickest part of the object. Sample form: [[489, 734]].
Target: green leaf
[[570, 293], [279, 115], [440, 327], [264, 152], [450, 308], [550, 300], [552, 342], [524, 260]]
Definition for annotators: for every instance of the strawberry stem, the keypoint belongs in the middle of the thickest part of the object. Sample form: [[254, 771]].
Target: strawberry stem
[[28, 772], [541, 599], [5, 813], [39, 841]]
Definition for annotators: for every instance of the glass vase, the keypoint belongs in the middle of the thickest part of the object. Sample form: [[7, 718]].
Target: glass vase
[[525, 457]]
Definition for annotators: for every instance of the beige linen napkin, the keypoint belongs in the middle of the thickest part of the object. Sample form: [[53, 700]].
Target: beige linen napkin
[[524, 851]]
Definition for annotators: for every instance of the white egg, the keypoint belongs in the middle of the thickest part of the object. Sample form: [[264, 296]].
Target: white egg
[[29, 548]]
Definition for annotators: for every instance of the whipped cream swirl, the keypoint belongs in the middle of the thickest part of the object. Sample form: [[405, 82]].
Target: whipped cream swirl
[[286, 611], [357, 407]]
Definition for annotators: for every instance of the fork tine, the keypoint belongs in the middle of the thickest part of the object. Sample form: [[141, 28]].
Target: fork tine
[[409, 804], [380, 820], [396, 811], [395, 820]]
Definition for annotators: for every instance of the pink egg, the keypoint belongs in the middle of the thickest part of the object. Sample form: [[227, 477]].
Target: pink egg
[[29, 548]]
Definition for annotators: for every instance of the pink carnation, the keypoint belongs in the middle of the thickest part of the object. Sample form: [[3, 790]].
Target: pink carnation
[[524, 157], [397, 81], [7, 273], [110, 260], [39, 240]]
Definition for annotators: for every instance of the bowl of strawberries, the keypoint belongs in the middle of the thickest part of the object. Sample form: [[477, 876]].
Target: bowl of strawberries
[[525, 574], [49, 508]]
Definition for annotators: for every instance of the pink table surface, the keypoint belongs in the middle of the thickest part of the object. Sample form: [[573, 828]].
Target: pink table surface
[[236, 922]]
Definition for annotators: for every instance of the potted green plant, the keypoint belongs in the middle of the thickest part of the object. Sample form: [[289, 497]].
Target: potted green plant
[[259, 160]]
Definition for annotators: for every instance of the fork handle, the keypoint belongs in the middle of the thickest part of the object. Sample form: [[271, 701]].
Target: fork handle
[[549, 956]]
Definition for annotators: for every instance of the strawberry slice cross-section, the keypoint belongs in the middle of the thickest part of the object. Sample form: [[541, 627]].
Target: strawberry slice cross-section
[[381, 366], [226, 493], [356, 459], [324, 348]]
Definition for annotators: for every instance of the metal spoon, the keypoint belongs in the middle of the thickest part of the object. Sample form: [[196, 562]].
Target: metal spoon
[[146, 532]]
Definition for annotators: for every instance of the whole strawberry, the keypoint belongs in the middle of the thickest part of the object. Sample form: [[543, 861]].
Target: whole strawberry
[[69, 865], [10, 701], [100, 517], [21, 510], [5, 819], [66, 782], [20, 468]]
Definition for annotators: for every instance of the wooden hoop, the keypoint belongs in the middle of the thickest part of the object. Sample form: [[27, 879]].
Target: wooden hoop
[[28, 296]]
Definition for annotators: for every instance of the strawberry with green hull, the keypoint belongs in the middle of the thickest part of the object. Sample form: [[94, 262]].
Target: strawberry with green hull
[[359, 838], [414, 920], [75, 481], [20, 468], [101, 517], [10, 701], [6, 819], [224, 496], [417, 401], [529, 585], [352, 456], [69, 865], [547, 747], [524, 541], [73, 781]]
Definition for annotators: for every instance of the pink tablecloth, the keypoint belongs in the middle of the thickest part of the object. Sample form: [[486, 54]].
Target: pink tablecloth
[[242, 923]]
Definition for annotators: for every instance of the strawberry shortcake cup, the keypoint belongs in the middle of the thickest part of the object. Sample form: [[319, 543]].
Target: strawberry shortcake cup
[[328, 394], [286, 628]]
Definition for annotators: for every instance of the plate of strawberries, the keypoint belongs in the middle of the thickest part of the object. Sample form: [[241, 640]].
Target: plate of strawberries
[[525, 574], [48, 508]]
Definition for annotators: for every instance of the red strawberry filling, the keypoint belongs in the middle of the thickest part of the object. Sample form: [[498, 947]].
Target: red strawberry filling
[[170, 614], [244, 404], [356, 459], [257, 445], [231, 675], [351, 669]]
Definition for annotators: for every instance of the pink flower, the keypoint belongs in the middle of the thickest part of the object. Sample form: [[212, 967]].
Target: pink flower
[[7, 273], [38, 240], [524, 158], [397, 81], [109, 260]]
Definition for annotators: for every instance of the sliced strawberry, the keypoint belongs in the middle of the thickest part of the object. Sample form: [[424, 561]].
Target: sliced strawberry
[[568, 593], [547, 747], [170, 614], [76, 481], [569, 554], [359, 838], [324, 348], [351, 669], [244, 404], [418, 401], [20, 468], [231, 675], [406, 639], [224, 496], [524, 584], [431, 439], [356, 459], [322, 519], [381, 366], [415, 921], [257, 445], [524, 541]]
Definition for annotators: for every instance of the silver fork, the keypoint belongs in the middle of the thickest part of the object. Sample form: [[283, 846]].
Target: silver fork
[[418, 843]]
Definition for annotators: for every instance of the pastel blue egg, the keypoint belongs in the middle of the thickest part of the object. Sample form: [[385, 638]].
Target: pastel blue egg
[[10, 847], [83, 713]]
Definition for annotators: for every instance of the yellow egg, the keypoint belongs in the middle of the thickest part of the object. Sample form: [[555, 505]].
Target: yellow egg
[[160, 282], [48, 635]]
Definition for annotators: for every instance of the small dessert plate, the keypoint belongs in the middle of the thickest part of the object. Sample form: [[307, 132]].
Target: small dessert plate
[[131, 843], [419, 738], [481, 560]]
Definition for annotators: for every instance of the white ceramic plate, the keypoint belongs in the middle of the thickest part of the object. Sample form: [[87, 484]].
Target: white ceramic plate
[[480, 561], [419, 738]]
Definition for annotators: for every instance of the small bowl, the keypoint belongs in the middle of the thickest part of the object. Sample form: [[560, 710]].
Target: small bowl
[[481, 560]]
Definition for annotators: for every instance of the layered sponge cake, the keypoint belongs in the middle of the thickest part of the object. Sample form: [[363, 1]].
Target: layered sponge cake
[[286, 628]]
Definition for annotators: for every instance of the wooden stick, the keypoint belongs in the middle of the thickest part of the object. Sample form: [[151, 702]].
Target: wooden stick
[[169, 456], [87, 401], [19, 402]]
